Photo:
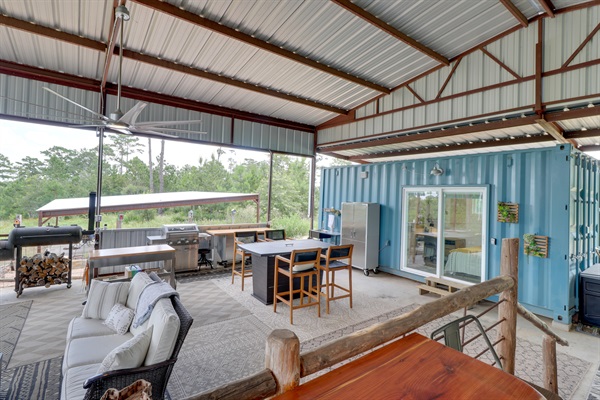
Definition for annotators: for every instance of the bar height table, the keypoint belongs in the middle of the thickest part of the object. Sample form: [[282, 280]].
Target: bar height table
[[263, 264]]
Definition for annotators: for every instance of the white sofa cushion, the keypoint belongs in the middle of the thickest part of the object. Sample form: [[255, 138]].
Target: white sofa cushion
[[91, 350], [80, 327], [102, 297], [73, 379], [166, 323], [119, 318], [130, 354], [138, 283]]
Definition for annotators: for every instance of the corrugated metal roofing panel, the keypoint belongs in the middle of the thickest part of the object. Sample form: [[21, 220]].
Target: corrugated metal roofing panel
[[450, 28], [90, 19], [39, 51], [570, 125]]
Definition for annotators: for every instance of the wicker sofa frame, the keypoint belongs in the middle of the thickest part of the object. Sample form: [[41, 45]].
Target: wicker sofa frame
[[158, 374]]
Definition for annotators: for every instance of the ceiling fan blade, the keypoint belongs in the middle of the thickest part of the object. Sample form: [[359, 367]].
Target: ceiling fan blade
[[152, 124], [148, 132], [77, 104], [130, 116], [159, 129]]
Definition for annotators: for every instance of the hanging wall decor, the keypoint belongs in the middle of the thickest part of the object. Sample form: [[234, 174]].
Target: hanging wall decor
[[508, 212], [535, 245]]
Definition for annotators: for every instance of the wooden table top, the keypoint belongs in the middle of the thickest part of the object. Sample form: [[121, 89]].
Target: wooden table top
[[415, 368], [278, 247], [217, 232], [130, 251]]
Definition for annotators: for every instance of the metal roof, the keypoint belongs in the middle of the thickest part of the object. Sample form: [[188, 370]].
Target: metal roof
[[80, 205], [299, 65]]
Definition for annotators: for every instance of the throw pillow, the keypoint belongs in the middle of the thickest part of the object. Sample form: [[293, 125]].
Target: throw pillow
[[130, 354], [102, 297], [119, 318]]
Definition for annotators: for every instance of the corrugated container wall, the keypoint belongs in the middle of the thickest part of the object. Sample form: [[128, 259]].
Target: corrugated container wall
[[536, 179]]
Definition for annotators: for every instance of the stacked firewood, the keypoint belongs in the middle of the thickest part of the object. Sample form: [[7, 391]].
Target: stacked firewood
[[43, 270]]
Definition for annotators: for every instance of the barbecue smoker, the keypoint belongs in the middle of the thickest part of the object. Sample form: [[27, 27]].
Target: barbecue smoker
[[184, 239]]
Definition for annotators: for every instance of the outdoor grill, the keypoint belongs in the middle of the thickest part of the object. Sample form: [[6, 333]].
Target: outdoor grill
[[184, 239], [43, 236]]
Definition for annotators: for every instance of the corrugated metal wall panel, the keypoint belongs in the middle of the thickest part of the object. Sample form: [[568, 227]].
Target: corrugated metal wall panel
[[15, 93], [583, 82], [252, 134], [536, 179], [517, 49], [564, 33], [489, 102]]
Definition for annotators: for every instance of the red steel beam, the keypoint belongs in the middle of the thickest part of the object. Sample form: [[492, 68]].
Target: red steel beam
[[515, 12], [455, 147]]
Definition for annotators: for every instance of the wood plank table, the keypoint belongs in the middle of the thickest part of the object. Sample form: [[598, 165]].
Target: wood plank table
[[263, 264], [415, 368], [132, 255], [219, 253]]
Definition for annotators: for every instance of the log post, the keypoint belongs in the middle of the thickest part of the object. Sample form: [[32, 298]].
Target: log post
[[549, 360], [283, 358], [509, 266]]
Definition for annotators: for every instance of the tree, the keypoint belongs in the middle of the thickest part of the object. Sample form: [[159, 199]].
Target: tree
[[7, 170], [125, 146], [150, 169]]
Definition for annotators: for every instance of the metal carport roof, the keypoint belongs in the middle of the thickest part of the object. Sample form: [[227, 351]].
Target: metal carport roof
[[80, 205]]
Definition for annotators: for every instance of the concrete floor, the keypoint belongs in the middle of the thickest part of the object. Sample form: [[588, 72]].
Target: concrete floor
[[385, 286]]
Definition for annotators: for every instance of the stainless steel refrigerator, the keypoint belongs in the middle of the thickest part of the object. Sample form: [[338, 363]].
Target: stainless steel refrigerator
[[360, 227]]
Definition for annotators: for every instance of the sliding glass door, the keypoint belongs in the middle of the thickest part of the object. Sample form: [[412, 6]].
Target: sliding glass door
[[443, 232]]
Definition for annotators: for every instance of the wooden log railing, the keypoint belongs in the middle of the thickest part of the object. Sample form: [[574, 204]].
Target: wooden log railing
[[285, 365]]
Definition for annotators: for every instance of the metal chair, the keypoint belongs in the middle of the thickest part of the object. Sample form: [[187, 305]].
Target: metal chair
[[301, 264], [242, 238], [202, 259], [337, 258], [452, 339]]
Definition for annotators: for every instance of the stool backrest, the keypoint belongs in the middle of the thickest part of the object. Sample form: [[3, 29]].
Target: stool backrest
[[275, 234], [246, 237], [304, 259], [341, 252]]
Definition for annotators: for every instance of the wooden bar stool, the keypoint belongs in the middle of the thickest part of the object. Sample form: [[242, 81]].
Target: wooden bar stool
[[301, 264], [338, 258], [239, 238]]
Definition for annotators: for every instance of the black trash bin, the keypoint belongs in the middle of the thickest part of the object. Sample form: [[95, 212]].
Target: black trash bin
[[589, 296]]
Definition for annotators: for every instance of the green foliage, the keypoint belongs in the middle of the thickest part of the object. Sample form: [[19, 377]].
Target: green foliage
[[506, 213], [66, 173], [530, 246]]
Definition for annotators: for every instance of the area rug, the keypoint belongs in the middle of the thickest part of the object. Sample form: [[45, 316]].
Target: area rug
[[595, 389], [39, 380], [215, 354], [13, 318]]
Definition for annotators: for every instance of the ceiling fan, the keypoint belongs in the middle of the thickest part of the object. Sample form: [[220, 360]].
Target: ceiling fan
[[126, 122]]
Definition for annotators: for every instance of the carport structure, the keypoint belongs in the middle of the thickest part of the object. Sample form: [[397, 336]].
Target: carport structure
[[78, 206], [363, 80]]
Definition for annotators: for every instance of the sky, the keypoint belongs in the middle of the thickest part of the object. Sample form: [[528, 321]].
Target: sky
[[19, 140]]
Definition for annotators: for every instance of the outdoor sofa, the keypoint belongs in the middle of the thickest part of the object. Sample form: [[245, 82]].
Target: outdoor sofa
[[98, 358]]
